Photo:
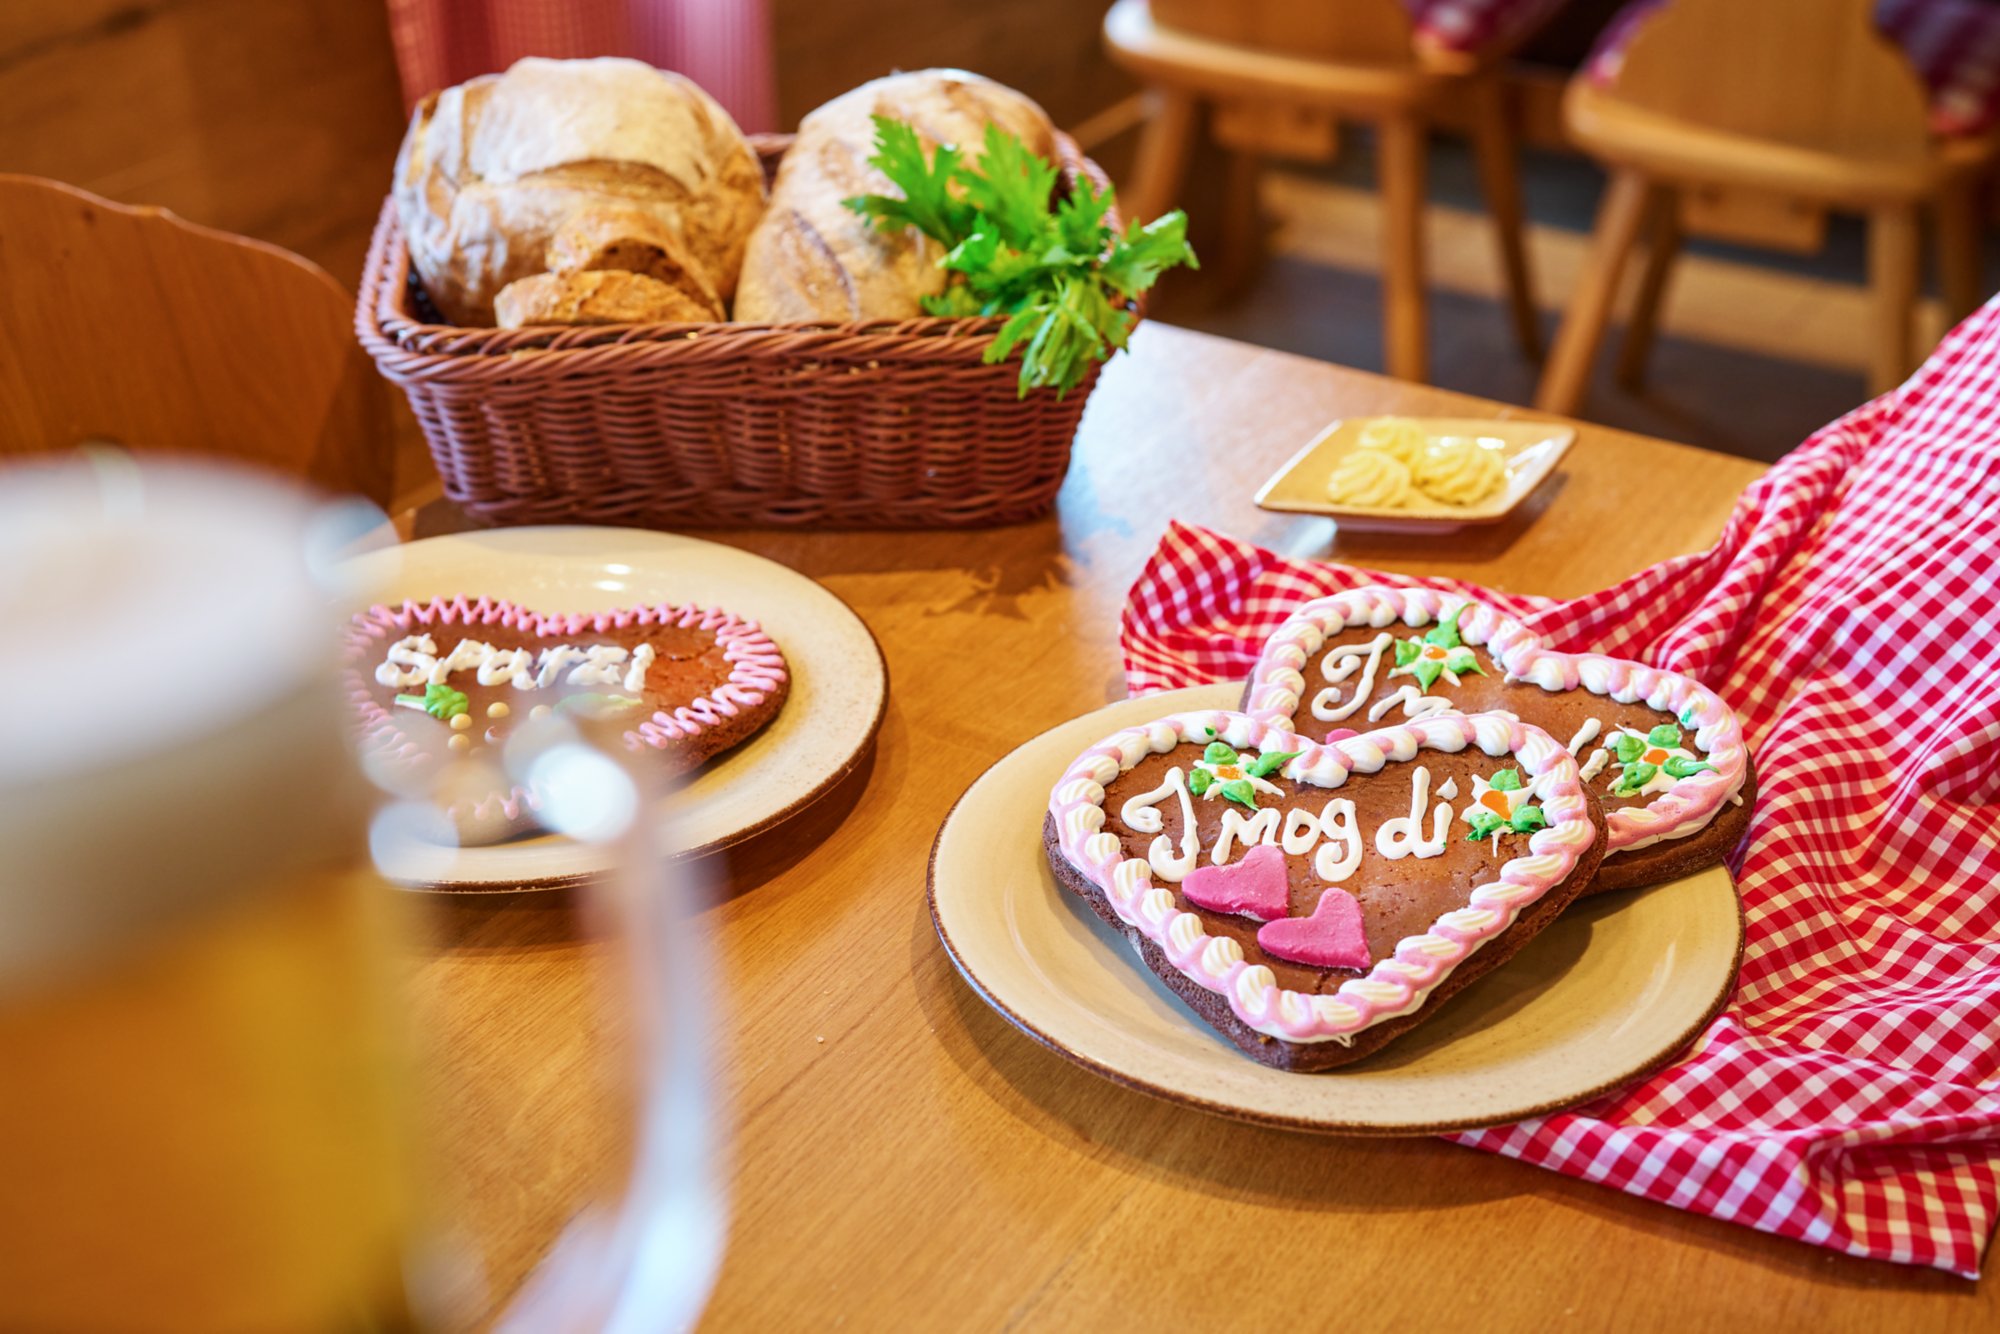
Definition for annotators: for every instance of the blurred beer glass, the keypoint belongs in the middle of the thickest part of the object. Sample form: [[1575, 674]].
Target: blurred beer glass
[[206, 1119], [199, 1126]]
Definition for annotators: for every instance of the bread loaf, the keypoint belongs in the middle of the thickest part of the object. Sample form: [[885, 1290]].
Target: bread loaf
[[491, 170], [812, 259], [631, 240], [603, 296]]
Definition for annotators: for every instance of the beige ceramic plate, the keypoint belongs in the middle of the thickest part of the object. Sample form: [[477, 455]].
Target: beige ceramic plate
[[1611, 992], [839, 682], [1529, 450]]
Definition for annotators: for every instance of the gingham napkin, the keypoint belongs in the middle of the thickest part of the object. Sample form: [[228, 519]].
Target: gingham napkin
[[1850, 1094]]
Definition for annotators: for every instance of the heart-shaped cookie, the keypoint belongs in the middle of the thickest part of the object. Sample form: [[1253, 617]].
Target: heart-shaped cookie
[[1662, 752], [440, 685], [1413, 859]]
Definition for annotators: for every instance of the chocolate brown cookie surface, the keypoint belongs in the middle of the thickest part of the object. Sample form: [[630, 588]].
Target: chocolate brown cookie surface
[[438, 688], [1311, 902], [1661, 752]]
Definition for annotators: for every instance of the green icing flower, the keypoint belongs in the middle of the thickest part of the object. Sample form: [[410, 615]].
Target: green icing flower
[[1502, 804], [1644, 761], [1221, 771], [1445, 633], [1485, 824], [1270, 761], [440, 701], [1633, 777], [1440, 652]]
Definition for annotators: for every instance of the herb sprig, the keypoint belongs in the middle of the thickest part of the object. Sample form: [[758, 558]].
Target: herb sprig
[[1055, 268]]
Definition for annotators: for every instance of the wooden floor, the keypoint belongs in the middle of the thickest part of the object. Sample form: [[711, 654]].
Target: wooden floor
[[1757, 350]]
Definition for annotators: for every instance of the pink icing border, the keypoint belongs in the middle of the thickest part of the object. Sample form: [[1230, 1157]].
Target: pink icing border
[[1395, 985], [1278, 682], [756, 668]]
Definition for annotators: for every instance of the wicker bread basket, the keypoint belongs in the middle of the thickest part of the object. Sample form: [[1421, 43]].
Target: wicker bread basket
[[885, 424]]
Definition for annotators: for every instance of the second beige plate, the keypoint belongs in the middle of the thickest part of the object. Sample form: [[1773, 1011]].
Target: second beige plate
[[839, 682], [1618, 986], [1529, 449]]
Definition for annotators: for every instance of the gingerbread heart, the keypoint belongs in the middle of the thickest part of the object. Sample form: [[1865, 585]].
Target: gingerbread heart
[[1662, 752], [440, 685], [1398, 887]]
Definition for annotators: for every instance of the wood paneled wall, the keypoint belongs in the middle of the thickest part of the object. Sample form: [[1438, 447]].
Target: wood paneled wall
[[277, 119]]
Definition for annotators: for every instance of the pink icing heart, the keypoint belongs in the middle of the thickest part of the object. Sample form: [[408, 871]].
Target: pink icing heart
[[1257, 886], [1330, 938], [1341, 734]]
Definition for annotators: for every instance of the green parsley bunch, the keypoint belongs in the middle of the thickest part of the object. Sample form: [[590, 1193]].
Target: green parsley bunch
[[1056, 269]]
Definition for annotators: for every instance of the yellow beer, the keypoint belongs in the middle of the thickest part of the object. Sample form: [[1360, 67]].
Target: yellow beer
[[198, 1078]]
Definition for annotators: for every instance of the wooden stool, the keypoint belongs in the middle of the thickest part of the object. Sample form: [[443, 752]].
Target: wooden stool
[[1750, 121], [131, 326], [1278, 77]]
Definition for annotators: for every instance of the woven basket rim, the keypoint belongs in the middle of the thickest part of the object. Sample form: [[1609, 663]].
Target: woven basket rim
[[403, 344]]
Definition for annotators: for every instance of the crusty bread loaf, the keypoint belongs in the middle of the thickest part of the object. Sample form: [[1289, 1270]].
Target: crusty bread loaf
[[491, 169], [631, 240], [597, 297], [812, 259]]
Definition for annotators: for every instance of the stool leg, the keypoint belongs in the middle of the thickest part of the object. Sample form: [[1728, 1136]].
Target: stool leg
[[1618, 219], [1663, 245], [1399, 157], [1162, 162], [1242, 229], [1498, 157], [1892, 280], [1961, 270]]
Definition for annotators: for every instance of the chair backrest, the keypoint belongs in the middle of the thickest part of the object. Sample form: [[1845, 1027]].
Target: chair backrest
[[1811, 74], [1372, 32], [131, 326]]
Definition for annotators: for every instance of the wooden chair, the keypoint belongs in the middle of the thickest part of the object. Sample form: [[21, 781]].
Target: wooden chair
[[1751, 121], [131, 326], [1277, 78]]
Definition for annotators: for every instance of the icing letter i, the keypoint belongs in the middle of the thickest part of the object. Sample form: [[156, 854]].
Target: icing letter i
[[1404, 836]]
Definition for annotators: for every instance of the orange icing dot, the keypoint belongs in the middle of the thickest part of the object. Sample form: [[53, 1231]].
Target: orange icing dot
[[1654, 756], [1227, 771], [1433, 652], [1494, 800]]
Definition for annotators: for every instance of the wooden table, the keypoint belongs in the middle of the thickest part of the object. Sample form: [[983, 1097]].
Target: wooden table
[[902, 1157]]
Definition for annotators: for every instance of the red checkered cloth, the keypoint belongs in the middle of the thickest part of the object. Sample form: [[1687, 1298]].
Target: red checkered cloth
[[1954, 46], [723, 45], [1478, 25], [1850, 1094]]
